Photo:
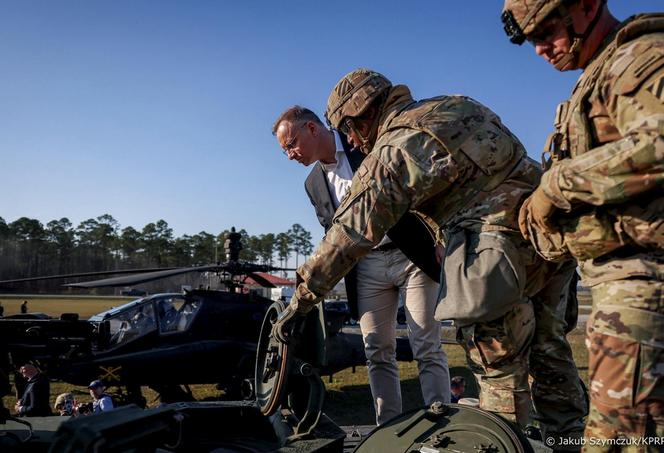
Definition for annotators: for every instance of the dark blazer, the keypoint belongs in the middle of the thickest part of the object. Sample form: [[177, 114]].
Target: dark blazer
[[35, 400], [409, 234]]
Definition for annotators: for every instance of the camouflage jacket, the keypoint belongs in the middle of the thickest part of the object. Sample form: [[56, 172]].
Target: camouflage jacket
[[608, 160], [448, 159]]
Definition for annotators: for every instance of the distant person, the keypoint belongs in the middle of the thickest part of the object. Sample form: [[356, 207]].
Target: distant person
[[35, 399], [24, 307], [142, 321], [458, 387], [167, 315], [101, 401], [65, 405], [233, 245]]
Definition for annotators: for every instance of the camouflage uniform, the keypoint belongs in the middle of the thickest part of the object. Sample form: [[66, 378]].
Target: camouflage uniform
[[453, 163], [606, 180]]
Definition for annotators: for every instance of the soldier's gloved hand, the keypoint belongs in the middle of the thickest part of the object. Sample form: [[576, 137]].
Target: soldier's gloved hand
[[537, 209], [286, 323]]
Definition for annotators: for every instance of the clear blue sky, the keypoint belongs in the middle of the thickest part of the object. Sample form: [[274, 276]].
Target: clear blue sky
[[163, 109]]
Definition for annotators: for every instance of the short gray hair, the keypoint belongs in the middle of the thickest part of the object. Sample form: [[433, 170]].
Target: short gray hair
[[294, 115]]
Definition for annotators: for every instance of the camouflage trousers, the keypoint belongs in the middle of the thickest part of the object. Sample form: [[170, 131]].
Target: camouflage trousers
[[530, 340], [497, 354], [625, 337]]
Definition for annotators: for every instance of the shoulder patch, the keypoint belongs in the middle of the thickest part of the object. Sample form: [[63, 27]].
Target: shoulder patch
[[656, 88]]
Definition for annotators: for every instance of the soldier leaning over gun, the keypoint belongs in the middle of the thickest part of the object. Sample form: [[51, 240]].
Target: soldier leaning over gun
[[601, 199], [451, 161]]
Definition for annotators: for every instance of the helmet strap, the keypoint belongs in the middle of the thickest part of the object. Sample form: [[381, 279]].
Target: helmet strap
[[572, 56], [367, 142]]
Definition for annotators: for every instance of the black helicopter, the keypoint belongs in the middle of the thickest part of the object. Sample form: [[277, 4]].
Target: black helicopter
[[168, 341]]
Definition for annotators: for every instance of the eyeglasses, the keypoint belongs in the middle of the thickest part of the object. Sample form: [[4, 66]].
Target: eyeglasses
[[288, 147], [346, 126]]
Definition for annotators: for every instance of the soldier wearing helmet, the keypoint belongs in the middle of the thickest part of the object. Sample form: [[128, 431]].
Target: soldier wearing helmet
[[453, 163], [600, 201]]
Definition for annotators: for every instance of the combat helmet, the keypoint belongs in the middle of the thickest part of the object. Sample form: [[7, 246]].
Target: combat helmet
[[353, 94], [521, 17]]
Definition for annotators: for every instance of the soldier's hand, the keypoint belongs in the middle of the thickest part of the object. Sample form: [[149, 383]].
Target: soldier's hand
[[286, 323], [537, 209]]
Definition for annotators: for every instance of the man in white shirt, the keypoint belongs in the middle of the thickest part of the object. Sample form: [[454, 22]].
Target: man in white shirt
[[374, 286]]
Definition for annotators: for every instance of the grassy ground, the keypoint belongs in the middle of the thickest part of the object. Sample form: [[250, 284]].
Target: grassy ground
[[85, 306], [348, 399]]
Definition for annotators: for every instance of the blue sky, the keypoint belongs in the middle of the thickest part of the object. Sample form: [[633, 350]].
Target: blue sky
[[163, 109]]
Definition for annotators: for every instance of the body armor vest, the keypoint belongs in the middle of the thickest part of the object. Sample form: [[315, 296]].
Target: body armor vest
[[484, 150], [582, 124]]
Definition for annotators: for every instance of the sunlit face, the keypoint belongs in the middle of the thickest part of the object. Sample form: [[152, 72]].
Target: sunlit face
[[298, 141], [552, 42], [552, 39]]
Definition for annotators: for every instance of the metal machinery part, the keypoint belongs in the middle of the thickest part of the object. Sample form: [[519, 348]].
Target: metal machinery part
[[219, 427], [446, 428], [277, 365], [272, 364]]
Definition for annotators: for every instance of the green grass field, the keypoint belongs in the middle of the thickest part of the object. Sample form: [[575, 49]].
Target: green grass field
[[85, 306], [348, 399]]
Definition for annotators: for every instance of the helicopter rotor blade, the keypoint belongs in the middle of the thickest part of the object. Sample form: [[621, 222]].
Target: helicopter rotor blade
[[143, 278], [250, 267], [84, 274], [137, 276]]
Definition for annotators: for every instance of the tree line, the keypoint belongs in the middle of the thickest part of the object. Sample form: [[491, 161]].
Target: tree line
[[29, 248]]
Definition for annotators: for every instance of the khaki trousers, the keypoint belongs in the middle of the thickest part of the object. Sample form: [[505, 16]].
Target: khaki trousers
[[381, 277]]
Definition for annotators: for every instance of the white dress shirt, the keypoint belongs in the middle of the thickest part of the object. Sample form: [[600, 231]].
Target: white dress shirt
[[339, 174], [339, 177]]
